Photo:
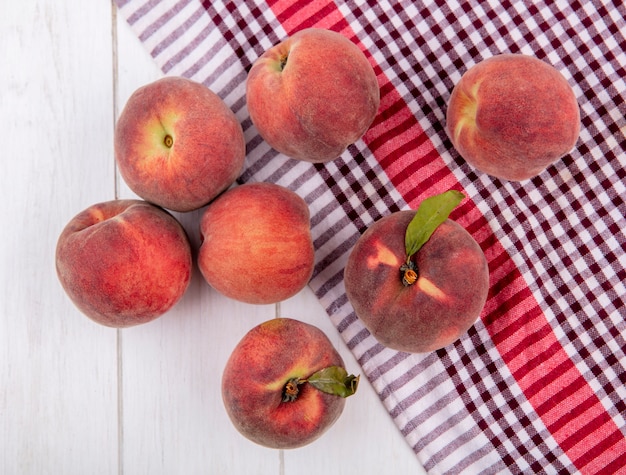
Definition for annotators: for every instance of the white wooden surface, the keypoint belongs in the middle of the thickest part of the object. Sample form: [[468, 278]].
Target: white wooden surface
[[79, 398]]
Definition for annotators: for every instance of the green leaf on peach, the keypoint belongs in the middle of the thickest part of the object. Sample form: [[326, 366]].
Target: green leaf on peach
[[431, 212], [335, 380]]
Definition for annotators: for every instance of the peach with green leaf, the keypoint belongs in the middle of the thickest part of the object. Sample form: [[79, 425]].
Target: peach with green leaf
[[285, 384], [416, 279]]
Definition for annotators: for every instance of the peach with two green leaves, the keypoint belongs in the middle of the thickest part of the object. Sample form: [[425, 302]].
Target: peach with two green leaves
[[285, 384]]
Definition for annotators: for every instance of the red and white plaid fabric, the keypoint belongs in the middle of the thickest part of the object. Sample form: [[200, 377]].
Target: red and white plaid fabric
[[538, 385]]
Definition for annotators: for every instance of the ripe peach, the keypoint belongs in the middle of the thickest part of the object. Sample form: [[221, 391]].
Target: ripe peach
[[177, 144], [263, 386], [123, 262], [256, 243], [312, 95], [438, 307], [513, 115]]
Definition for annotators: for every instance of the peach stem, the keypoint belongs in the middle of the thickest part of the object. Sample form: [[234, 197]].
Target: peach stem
[[290, 392], [408, 273], [283, 61]]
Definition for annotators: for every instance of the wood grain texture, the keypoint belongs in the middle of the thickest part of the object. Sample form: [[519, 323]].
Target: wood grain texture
[[76, 397], [58, 370]]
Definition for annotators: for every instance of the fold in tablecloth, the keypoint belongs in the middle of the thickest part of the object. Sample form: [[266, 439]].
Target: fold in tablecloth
[[538, 383]]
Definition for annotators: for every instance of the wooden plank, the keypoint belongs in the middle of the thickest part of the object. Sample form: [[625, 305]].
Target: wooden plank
[[173, 416], [58, 370]]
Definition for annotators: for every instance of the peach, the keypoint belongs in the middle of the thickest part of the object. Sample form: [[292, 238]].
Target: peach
[[312, 95], [512, 115], [177, 144], [439, 304], [266, 389], [123, 262], [256, 244]]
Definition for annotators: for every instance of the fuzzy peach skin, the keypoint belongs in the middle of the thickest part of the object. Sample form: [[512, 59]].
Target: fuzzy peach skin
[[177, 144], [256, 243], [312, 95], [256, 374], [444, 302], [513, 115], [123, 262]]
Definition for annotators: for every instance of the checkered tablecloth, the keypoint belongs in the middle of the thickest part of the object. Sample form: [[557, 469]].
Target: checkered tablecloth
[[538, 385]]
